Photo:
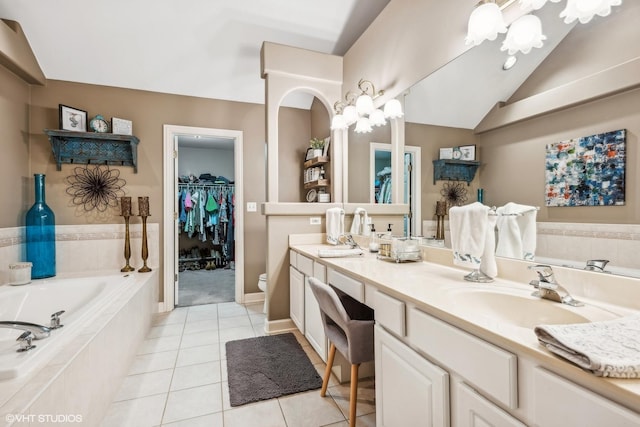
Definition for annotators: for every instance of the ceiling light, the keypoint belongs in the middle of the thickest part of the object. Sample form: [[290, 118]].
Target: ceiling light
[[363, 125], [376, 118], [393, 109], [485, 23], [364, 104], [524, 34], [585, 10], [338, 122], [350, 114], [509, 63]]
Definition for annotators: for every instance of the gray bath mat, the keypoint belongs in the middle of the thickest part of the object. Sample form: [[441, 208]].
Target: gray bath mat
[[266, 367]]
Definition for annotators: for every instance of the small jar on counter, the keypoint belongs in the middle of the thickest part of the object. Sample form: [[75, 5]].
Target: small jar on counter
[[20, 273]]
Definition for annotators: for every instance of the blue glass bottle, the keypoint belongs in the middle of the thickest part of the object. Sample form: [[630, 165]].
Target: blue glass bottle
[[41, 234]]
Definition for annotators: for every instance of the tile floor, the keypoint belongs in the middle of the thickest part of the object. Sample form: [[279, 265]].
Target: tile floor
[[179, 378]]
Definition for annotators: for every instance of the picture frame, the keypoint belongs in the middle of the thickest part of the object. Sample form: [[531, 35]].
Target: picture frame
[[309, 154], [121, 126], [468, 152], [325, 149], [446, 153], [72, 119]]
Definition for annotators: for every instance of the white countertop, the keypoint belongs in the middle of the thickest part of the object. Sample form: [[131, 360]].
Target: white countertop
[[442, 292]]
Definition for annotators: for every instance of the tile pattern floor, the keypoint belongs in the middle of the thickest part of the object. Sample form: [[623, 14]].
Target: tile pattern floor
[[206, 286], [179, 378]]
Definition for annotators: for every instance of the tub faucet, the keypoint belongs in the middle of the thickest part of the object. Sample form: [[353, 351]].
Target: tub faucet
[[39, 332], [548, 288], [596, 264]]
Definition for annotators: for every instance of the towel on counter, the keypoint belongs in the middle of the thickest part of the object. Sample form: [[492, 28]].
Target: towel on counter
[[516, 231], [473, 237], [360, 222], [609, 348], [335, 225]]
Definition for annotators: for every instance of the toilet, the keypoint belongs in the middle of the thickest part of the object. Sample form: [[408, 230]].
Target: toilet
[[262, 285]]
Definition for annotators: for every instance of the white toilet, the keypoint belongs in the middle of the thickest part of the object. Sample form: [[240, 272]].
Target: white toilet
[[262, 285]]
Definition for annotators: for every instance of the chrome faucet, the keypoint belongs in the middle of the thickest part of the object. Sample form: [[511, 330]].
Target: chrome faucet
[[548, 288], [596, 264], [38, 331]]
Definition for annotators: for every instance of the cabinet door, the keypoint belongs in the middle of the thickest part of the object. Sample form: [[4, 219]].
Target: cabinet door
[[296, 298], [410, 391], [313, 329], [559, 402], [472, 410]]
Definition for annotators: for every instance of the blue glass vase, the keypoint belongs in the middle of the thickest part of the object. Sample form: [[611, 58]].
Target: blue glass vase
[[41, 234]]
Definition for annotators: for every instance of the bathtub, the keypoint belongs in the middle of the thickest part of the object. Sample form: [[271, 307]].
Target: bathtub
[[80, 298], [79, 367]]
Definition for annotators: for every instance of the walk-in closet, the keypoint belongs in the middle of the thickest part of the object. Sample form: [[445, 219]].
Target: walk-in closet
[[206, 205]]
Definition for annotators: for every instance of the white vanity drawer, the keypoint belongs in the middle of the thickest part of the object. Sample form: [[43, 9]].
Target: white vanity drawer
[[293, 259], [305, 265], [554, 397], [485, 366], [389, 313], [346, 284], [320, 272]]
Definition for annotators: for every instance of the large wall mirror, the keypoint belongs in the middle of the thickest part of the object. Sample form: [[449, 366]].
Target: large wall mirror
[[446, 108]]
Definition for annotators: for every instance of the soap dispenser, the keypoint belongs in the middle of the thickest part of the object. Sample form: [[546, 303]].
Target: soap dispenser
[[374, 246], [389, 232]]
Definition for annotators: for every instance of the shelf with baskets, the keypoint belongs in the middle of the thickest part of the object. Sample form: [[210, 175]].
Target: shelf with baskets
[[454, 170]]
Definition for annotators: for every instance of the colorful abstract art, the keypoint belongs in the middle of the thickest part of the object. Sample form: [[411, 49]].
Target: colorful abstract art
[[587, 171]]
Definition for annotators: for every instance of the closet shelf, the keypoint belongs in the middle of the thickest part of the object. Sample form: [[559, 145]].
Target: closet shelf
[[454, 170], [93, 148]]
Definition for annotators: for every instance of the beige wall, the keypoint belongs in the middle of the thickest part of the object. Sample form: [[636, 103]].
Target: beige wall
[[149, 111], [16, 184]]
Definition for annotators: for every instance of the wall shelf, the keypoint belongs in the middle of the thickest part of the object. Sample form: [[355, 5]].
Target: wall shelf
[[93, 148], [454, 170]]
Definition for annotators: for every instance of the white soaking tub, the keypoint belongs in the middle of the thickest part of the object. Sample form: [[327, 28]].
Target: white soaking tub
[[80, 298]]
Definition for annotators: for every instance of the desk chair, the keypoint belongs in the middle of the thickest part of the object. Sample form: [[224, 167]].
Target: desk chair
[[348, 325]]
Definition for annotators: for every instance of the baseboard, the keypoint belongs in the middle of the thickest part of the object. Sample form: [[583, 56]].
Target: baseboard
[[254, 297], [278, 326]]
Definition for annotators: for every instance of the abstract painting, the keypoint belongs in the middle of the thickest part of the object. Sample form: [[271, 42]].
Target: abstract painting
[[587, 171]]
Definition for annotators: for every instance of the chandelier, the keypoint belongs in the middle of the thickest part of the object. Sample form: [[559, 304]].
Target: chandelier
[[525, 33], [359, 109]]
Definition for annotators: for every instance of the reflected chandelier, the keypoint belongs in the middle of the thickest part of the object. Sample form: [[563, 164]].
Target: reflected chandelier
[[525, 33], [359, 109]]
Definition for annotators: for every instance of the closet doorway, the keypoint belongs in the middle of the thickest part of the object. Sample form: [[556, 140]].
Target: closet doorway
[[204, 259]]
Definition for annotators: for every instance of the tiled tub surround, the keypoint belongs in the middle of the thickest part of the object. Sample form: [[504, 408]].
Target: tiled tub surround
[[82, 248], [575, 243], [84, 375]]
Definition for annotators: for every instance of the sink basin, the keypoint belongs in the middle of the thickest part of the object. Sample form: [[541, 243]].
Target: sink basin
[[521, 310]]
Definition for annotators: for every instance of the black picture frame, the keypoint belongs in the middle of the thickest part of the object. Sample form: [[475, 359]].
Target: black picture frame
[[72, 119], [468, 152]]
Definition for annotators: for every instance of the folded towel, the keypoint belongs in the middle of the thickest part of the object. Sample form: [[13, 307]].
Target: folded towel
[[335, 225], [338, 253], [472, 237], [360, 222], [608, 349], [516, 231]]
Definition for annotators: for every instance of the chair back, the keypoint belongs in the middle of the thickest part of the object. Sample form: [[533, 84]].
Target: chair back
[[330, 304]]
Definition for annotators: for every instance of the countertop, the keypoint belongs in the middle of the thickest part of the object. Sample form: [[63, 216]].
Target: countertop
[[442, 292]]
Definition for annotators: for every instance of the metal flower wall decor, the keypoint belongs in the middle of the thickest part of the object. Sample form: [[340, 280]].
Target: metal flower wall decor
[[454, 193], [95, 187]]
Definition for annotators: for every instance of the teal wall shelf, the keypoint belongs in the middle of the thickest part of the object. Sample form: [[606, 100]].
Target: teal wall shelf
[[93, 148], [454, 170]]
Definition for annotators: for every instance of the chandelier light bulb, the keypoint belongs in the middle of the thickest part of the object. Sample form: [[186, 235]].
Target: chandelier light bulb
[[393, 109], [364, 105], [338, 122], [350, 114], [524, 34], [485, 23], [585, 10], [376, 118], [363, 125]]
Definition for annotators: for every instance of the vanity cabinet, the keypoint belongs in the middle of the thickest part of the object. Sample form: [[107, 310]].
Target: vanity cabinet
[[296, 297], [559, 403], [410, 391], [469, 409]]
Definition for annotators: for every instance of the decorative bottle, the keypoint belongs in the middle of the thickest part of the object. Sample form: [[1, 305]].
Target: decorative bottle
[[41, 234]]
